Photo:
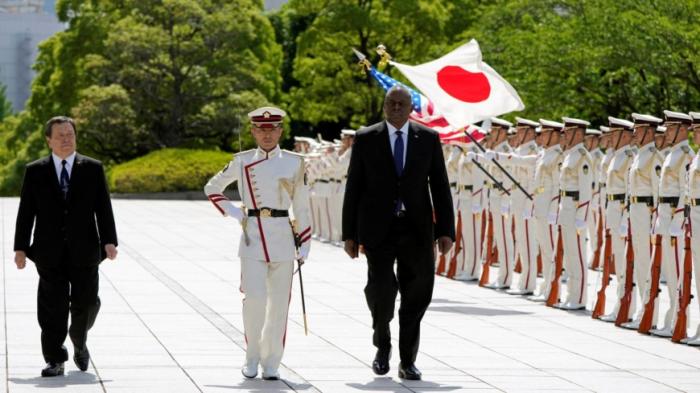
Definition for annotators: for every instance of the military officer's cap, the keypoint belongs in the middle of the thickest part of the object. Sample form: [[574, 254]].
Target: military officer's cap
[[649, 120], [501, 123], [551, 124], [660, 129], [520, 122], [677, 117], [538, 130], [695, 116], [348, 132], [604, 130], [267, 117], [578, 123], [512, 131], [620, 123], [591, 131]]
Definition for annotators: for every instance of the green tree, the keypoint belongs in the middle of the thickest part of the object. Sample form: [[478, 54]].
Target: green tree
[[5, 104]]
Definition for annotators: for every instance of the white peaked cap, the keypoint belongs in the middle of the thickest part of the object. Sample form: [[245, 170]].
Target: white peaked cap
[[591, 131], [620, 123], [500, 122], [575, 122], [526, 122], [551, 124], [646, 119]]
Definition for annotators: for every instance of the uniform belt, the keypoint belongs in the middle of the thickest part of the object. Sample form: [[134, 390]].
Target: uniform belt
[[616, 197], [267, 212], [335, 180], [453, 184], [322, 181], [670, 200], [601, 185], [647, 200], [467, 188], [572, 194]]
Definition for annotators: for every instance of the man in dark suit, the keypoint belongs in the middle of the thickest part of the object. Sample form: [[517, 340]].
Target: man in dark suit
[[66, 201], [397, 204]]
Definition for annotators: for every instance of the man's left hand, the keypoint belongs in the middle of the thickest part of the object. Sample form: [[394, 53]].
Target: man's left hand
[[111, 251], [444, 244]]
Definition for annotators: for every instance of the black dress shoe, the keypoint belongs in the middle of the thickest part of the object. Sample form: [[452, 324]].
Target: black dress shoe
[[410, 372], [380, 365], [52, 370], [82, 359]]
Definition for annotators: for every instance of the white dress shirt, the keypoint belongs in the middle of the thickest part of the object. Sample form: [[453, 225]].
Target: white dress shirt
[[57, 163]]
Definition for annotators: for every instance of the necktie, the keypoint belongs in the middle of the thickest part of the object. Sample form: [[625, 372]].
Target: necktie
[[398, 153], [65, 180], [398, 163]]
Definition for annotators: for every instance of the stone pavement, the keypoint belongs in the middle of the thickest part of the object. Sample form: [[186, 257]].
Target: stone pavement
[[171, 322]]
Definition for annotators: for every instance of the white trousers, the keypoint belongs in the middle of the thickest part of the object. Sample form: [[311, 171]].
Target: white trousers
[[695, 249], [618, 253], [640, 224], [546, 239], [315, 203], [503, 237], [526, 246], [592, 235], [469, 259], [672, 252], [574, 253], [267, 292]]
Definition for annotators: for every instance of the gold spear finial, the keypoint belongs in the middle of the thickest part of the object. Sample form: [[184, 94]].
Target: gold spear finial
[[385, 57]]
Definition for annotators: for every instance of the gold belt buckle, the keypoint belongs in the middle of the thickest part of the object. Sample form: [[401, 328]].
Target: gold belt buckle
[[540, 190], [634, 199], [693, 202], [265, 212]]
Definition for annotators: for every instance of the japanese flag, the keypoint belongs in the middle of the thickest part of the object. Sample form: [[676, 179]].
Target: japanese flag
[[465, 89]]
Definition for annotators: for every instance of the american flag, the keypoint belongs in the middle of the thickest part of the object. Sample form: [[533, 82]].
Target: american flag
[[425, 113]]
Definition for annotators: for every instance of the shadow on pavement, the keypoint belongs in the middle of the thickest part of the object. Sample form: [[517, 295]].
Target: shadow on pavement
[[71, 378], [261, 386], [381, 384], [466, 310]]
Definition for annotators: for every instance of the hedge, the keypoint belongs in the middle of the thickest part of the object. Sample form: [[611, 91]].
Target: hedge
[[167, 170]]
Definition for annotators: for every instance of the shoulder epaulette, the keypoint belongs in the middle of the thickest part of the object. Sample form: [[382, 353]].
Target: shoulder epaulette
[[685, 149], [582, 151], [629, 153]]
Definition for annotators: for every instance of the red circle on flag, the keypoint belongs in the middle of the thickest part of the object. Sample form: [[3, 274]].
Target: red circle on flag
[[463, 85]]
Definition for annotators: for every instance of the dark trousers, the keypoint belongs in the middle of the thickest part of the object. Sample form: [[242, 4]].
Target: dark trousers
[[63, 289], [414, 278]]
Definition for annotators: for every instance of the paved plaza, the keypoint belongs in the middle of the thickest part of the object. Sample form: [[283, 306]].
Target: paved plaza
[[171, 322]]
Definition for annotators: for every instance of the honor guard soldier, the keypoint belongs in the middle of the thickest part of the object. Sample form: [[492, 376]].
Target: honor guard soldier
[[546, 200], [347, 137], [693, 202], [616, 185], [643, 193], [575, 194], [270, 181], [471, 189], [670, 213], [523, 169], [592, 143], [606, 144], [499, 205]]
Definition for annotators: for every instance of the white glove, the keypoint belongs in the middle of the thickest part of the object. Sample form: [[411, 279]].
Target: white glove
[[471, 156], [232, 211], [505, 209], [623, 229], [304, 250], [476, 208], [676, 229], [580, 224], [552, 219], [490, 155]]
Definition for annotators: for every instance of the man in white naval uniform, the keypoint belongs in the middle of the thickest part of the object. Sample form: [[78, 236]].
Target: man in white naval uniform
[[592, 143], [605, 143], [616, 184], [643, 193], [575, 195], [523, 170], [470, 181], [270, 181], [670, 215], [692, 193], [499, 205]]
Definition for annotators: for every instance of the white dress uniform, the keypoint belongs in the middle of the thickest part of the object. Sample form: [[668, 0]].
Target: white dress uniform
[[602, 195], [643, 192], [269, 184], [616, 183], [452, 166], [693, 200], [313, 172], [499, 205], [670, 211], [523, 170], [471, 187], [574, 208]]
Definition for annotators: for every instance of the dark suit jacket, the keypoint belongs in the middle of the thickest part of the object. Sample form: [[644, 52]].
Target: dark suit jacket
[[81, 225], [373, 187]]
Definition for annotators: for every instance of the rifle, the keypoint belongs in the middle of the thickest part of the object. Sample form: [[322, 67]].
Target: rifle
[[458, 247], [599, 241], [490, 176], [505, 172], [553, 297], [626, 301], [599, 308], [484, 280], [684, 296], [648, 317]]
